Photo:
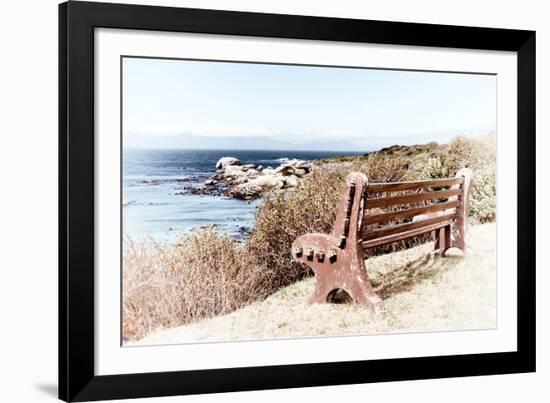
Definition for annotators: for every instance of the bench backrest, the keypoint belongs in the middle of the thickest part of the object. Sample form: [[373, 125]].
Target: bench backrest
[[378, 214]]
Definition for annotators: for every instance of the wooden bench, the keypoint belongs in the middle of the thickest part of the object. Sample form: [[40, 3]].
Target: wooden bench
[[378, 214]]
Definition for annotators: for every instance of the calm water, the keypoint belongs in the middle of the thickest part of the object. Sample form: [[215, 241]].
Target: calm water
[[152, 180]]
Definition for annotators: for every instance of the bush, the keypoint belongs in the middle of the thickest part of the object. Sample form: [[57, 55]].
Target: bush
[[483, 196], [436, 167], [203, 275], [283, 217], [480, 156]]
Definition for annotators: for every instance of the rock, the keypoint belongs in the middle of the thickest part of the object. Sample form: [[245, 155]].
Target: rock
[[292, 181], [265, 181], [245, 191], [252, 172], [239, 180], [268, 171], [227, 161], [234, 170], [285, 170], [294, 163], [249, 181], [253, 188]]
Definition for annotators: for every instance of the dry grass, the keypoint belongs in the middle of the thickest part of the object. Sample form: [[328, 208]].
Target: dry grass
[[420, 293], [312, 208], [203, 275]]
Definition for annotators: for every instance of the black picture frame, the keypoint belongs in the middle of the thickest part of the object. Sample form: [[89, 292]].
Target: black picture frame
[[77, 21]]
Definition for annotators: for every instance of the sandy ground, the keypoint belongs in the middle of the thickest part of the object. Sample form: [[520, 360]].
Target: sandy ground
[[420, 293]]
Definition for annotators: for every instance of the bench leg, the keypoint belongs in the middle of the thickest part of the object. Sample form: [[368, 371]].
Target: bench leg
[[460, 225], [337, 269], [442, 241], [437, 247], [447, 239], [364, 294]]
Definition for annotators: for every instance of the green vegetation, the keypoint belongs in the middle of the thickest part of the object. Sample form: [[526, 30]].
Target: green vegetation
[[476, 154]]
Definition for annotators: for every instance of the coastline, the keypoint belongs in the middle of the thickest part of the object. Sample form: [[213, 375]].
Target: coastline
[[170, 193]]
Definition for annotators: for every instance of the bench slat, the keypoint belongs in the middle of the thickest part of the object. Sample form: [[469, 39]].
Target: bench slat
[[412, 198], [397, 215], [407, 227], [401, 236], [399, 186]]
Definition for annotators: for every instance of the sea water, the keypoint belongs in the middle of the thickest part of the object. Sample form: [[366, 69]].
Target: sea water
[[154, 206]]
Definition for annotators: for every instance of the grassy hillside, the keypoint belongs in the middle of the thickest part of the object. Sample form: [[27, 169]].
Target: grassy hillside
[[420, 293]]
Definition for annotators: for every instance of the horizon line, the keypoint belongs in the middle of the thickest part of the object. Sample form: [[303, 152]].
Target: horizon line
[[243, 149]]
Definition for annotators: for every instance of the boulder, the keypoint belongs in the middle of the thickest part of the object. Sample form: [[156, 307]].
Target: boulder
[[227, 161], [294, 163], [292, 181], [254, 188], [251, 173], [246, 191], [285, 170], [268, 171], [265, 182], [234, 170]]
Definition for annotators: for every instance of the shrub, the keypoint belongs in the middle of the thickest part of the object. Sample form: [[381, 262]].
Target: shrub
[[480, 156], [483, 196], [464, 152], [283, 217], [436, 167], [202, 275]]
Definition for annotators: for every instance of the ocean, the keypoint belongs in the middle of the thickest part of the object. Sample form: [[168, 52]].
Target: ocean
[[154, 206]]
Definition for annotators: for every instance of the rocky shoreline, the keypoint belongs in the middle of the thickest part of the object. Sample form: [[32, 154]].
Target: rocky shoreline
[[247, 182]]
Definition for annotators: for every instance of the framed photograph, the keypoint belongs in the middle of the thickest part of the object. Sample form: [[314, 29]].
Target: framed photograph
[[259, 201]]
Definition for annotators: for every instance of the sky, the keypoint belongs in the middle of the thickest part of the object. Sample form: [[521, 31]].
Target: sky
[[224, 105]]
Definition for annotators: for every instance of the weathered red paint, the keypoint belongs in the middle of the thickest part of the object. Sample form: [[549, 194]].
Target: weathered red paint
[[345, 266]]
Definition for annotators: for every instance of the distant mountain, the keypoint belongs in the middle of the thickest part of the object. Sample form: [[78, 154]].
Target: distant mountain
[[237, 143], [290, 142]]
